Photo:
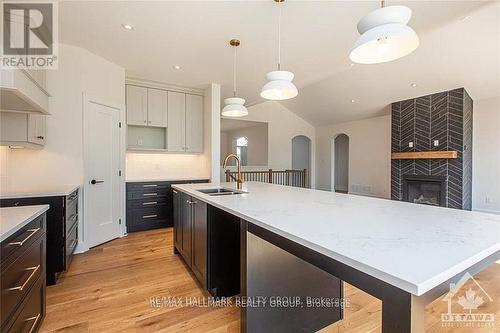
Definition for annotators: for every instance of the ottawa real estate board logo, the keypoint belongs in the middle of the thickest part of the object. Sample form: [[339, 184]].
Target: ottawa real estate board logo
[[29, 35], [466, 302]]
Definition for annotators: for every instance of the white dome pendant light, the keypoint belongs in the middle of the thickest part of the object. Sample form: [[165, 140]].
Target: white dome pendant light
[[280, 86], [235, 106], [385, 36]]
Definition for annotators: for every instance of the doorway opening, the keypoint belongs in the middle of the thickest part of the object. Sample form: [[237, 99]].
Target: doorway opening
[[341, 163], [301, 155]]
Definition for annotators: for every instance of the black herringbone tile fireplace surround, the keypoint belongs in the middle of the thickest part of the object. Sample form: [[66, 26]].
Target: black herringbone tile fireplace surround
[[447, 118]]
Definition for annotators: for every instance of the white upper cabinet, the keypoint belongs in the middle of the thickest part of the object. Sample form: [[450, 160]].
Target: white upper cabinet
[[36, 128], [22, 90], [137, 106], [164, 120], [194, 123], [176, 132], [22, 129], [157, 107]]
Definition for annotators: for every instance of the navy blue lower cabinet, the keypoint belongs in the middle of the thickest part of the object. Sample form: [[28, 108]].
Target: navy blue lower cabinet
[[149, 204]]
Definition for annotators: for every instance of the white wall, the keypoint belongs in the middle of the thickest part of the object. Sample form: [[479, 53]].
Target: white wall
[[257, 144], [486, 155], [369, 161], [283, 125], [369, 155], [61, 160]]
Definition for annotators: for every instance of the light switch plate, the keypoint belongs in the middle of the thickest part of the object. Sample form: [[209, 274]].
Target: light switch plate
[[436, 143]]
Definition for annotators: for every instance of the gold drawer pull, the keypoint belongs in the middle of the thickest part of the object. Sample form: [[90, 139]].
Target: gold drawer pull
[[21, 287], [35, 322], [149, 203], [21, 243], [149, 216], [150, 185], [150, 194]]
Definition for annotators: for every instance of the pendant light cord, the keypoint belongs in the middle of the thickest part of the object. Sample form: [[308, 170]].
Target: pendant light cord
[[234, 72], [279, 37]]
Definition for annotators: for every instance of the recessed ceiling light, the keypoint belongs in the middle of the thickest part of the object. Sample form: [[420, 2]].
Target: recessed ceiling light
[[352, 101], [465, 18], [177, 67], [413, 85], [352, 65], [127, 27]]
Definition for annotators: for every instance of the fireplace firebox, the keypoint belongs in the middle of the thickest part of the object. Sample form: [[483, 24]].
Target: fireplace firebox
[[427, 190]]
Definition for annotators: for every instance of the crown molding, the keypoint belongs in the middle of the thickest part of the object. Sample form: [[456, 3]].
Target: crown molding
[[164, 86]]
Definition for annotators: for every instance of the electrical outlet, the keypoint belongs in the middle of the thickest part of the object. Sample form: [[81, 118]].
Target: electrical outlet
[[410, 144], [436, 143]]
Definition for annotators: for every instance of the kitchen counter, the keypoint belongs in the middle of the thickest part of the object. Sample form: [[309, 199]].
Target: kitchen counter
[[13, 192], [14, 218], [413, 247]]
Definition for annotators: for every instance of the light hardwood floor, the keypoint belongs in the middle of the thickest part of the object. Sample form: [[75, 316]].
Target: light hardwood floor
[[108, 289]]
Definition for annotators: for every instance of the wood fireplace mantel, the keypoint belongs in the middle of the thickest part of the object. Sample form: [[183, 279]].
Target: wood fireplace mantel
[[414, 155]]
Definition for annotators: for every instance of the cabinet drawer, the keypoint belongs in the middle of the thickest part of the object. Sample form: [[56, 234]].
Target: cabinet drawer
[[71, 220], [71, 242], [31, 313], [22, 239], [146, 218], [18, 277], [148, 203], [148, 186], [149, 194]]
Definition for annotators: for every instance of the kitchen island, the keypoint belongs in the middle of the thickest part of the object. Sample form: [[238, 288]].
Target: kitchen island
[[404, 254]]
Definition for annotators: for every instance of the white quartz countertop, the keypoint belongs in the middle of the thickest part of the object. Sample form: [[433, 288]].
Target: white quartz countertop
[[145, 180], [14, 218], [13, 192], [413, 247]]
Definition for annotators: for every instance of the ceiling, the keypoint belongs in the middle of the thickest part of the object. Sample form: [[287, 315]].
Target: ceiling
[[316, 40]]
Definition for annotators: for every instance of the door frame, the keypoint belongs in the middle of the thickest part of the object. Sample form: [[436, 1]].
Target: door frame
[[83, 244]]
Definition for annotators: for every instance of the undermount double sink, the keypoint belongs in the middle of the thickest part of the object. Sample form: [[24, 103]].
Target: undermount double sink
[[221, 191]]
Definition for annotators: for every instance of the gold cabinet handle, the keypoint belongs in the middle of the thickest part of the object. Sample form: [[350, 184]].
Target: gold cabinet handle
[[150, 185], [150, 194], [149, 216], [21, 287], [149, 203], [21, 243], [35, 322]]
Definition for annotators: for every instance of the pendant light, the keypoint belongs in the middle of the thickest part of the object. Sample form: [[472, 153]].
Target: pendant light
[[385, 36], [280, 86], [235, 106]]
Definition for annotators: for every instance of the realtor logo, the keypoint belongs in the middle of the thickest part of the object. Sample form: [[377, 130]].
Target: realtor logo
[[29, 35], [464, 305]]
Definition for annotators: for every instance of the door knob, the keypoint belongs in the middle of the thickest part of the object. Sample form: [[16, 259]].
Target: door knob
[[93, 181]]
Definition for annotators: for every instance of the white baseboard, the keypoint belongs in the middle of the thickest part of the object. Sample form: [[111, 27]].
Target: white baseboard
[[489, 211], [371, 195]]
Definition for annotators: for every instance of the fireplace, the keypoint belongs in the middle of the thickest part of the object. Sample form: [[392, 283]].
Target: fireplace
[[427, 190]]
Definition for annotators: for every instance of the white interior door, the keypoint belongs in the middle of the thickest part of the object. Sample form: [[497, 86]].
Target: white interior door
[[102, 183]]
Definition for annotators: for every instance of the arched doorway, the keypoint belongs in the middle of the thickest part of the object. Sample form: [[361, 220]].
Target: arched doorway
[[341, 163], [301, 155]]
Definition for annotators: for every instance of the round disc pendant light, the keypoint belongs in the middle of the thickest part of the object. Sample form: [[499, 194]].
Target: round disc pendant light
[[385, 36], [279, 86], [235, 106]]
